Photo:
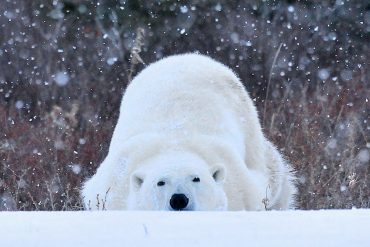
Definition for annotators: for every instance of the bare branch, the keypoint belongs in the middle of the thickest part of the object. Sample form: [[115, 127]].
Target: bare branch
[[268, 83], [135, 52]]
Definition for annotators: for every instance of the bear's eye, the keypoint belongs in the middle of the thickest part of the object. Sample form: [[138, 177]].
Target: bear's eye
[[196, 180], [161, 183]]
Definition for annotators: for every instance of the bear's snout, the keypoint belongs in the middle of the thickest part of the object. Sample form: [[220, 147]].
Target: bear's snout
[[179, 201]]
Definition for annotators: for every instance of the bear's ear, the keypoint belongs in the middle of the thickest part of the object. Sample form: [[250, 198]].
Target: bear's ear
[[137, 180], [218, 174]]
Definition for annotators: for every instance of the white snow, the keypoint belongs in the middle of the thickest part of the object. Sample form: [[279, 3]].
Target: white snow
[[133, 228], [76, 168], [61, 78], [184, 9], [234, 37], [248, 43], [82, 141], [363, 156], [56, 13], [323, 74], [112, 60], [218, 7], [346, 75], [332, 143], [19, 104]]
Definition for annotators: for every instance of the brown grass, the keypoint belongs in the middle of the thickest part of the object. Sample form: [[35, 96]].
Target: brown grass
[[53, 137]]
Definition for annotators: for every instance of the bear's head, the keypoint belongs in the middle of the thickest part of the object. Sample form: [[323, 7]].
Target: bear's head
[[177, 182]]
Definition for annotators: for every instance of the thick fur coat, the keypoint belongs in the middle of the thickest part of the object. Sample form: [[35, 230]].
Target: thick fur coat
[[189, 116]]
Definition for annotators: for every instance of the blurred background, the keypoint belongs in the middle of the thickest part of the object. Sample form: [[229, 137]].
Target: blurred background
[[64, 66]]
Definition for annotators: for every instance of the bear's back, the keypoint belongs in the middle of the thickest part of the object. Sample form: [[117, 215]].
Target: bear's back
[[190, 92]]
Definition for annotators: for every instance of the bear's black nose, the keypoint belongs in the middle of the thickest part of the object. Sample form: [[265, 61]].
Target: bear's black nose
[[179, 201]]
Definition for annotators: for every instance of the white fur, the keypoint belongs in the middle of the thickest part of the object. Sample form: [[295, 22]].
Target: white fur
[[177, 169], [183, 116]]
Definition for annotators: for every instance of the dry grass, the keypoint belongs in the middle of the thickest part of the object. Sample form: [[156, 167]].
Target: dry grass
[[44, 162], [328, 144], [316, 110]]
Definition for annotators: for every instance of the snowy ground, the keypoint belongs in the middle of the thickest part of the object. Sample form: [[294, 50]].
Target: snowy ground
[[123, 228]]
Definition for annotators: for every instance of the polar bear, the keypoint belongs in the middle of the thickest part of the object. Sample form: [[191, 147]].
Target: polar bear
[[188, 137]]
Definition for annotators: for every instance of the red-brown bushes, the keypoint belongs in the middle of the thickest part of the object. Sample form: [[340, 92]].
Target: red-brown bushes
[[64, 66]]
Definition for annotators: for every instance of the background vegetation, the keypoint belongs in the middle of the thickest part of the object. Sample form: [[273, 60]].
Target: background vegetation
[[64, 66]]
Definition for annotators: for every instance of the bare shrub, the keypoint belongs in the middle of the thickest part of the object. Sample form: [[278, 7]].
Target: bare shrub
[[64, 66]]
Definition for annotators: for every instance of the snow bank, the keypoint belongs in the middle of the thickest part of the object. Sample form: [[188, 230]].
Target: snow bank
[[124, 228]]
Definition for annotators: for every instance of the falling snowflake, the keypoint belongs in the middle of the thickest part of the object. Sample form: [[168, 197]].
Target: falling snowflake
[[61, 78]]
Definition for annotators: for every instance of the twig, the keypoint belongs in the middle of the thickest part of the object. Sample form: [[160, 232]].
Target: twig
[[135, 52], [113, 34], [97, 202], [105, 199], [268, 83], [50, 195], [89, 205], [265, 200]]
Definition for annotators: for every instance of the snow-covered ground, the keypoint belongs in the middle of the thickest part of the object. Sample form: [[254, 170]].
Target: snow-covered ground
[[124, 228]]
